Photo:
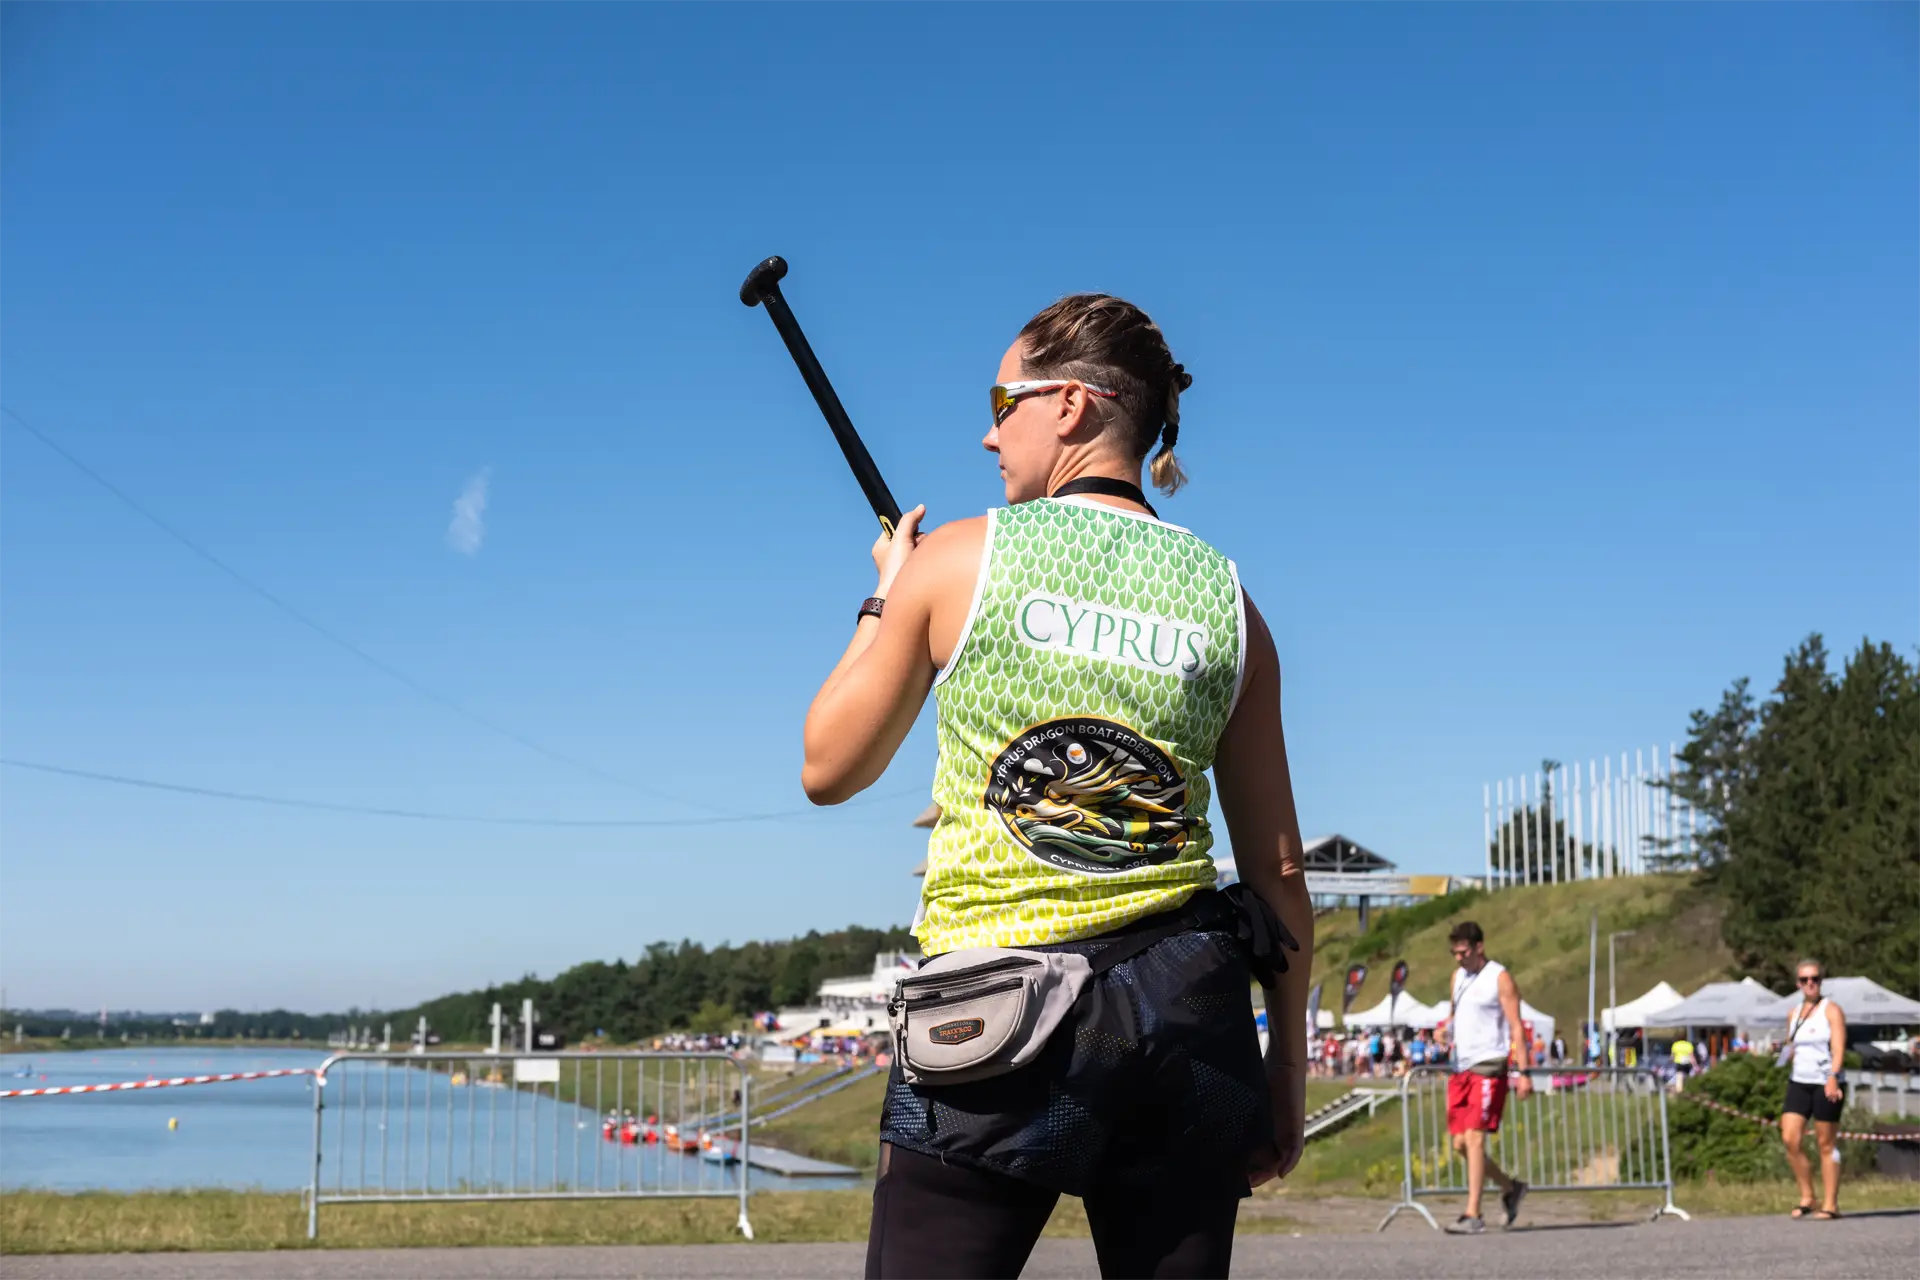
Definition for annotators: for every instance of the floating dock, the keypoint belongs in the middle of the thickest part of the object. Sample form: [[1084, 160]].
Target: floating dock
[[774, 1160]]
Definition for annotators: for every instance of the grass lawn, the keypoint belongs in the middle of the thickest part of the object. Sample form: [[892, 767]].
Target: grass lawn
[[145, 1222], [1362, 1158]]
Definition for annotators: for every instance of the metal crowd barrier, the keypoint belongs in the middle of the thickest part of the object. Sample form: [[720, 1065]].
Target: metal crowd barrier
[[444, 1126], [1586, 1129]]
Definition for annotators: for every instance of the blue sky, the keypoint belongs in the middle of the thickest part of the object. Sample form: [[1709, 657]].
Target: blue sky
[[1554, 365]]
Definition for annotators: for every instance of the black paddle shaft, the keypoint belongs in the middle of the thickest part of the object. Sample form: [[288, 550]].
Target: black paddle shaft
[[762, 288]]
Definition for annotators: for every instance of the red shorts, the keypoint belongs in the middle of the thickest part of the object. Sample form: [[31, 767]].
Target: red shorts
[[1475, 1101]]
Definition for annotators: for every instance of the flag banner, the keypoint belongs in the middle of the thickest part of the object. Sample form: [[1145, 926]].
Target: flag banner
[[1356, 976]]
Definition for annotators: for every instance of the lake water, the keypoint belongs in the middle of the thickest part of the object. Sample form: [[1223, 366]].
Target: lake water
[[259, 1133], [254, 1133]]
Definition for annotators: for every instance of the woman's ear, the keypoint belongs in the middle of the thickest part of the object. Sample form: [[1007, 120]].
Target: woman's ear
[[1073, 416]]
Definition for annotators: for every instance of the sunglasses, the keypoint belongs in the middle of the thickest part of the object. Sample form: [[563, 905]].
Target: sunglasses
[[1809, 982], [1007, 396]]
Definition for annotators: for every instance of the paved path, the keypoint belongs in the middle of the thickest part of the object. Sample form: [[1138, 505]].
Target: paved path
[[1871, 1246]]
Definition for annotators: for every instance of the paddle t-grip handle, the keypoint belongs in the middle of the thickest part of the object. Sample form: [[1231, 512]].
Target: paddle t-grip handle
[[762, 288]]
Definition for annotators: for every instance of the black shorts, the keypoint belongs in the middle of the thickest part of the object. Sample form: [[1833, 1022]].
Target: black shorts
[[1811, 1100], [1155, 1075]]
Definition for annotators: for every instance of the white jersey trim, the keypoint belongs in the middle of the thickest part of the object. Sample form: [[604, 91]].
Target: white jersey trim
[[973, 610], [1240, 628], [1080, 500]]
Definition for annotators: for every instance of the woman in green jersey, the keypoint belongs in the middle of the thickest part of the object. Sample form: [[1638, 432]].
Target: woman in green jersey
[[1091, 663]]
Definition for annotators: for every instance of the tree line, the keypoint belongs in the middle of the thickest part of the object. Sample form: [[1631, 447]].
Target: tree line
[[228, 1024], [1811, 804], [684, 987], [669, 987]]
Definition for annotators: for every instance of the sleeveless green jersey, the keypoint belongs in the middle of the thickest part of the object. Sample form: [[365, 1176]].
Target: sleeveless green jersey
[[1076, 721]]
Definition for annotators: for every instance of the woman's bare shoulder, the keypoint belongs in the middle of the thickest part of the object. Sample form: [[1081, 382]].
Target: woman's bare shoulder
[[945, 559], [955, 546], [972, 530]]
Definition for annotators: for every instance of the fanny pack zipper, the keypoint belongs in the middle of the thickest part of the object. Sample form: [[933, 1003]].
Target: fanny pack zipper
[[1011, 984], [973, 971], [903, 989]]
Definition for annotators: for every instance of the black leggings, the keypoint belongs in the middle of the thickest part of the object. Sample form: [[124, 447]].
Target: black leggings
[[936, 1219]]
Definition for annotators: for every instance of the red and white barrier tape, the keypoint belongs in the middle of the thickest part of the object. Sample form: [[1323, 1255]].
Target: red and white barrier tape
[[156, 1084], [1723, 1108]]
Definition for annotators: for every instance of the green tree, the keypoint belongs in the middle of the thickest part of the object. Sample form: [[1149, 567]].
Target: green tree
[[1715, 767], [1811, 808]]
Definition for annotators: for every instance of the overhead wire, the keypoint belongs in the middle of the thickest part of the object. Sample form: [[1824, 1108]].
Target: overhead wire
[[335, 638], [423, 815]]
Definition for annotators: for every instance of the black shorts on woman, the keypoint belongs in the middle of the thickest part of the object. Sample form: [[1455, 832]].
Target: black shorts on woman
[[1811, 1100], [1155, 1075]]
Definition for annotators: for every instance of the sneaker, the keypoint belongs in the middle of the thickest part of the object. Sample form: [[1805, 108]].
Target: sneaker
[[1465, 1226], [1511, 1199]]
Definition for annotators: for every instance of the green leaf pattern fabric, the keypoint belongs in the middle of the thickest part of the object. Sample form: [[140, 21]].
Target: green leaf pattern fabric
[[984, 887]]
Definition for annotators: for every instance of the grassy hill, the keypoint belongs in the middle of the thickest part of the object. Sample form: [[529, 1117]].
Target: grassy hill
[[844, 1128], [1540, 933]]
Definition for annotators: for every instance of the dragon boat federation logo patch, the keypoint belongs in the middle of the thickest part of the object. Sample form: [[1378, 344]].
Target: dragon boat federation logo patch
[[959, 1031], [1090, 796]]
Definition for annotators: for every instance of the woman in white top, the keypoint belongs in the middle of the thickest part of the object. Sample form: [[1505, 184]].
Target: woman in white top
[[1817, 1043]]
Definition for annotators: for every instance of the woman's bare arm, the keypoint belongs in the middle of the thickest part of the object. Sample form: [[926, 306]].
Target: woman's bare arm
[[1836, 1044], [873, 694], [1256, 797]]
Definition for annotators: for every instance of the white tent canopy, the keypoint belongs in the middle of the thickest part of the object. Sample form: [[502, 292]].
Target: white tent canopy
[[1719, 1004], [1864, 1001], [1633, 1012], [1543, 1023], [1404, 1012]]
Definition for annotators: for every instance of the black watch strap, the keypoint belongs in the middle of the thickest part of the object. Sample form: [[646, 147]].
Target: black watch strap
[[870, 607]]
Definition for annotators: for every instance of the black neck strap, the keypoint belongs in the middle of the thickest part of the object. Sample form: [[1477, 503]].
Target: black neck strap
[[1106, 487]]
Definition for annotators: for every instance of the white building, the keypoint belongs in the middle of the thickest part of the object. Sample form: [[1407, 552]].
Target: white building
[[854, 1006]]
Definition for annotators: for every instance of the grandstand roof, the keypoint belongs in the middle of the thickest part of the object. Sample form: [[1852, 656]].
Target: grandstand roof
[[1337, 853]]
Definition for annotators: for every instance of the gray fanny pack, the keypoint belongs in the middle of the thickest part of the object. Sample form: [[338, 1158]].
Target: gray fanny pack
[[973, 1014], [968, 1015]]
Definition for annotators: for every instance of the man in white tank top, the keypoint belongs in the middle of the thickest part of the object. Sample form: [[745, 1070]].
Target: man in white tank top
[[1487, 1036]]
